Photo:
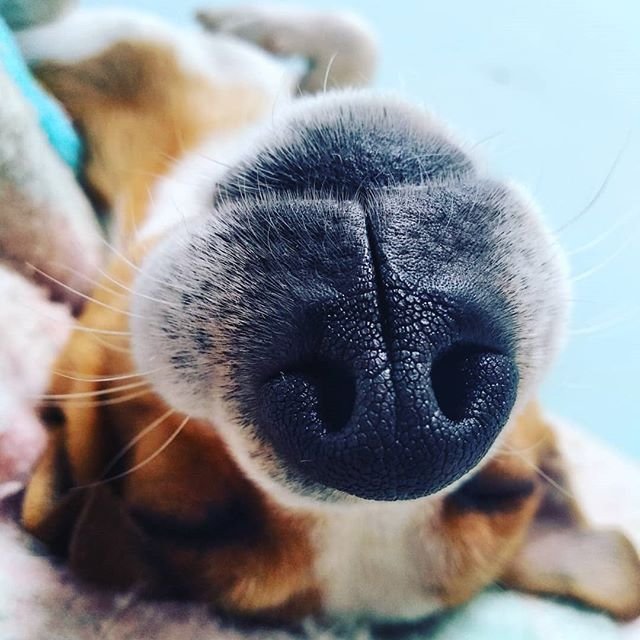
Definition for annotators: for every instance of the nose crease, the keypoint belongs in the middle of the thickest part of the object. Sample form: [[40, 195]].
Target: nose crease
[[382, 307]]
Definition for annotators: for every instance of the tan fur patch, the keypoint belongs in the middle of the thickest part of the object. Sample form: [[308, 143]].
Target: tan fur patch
[[139, 111], [480, 543]]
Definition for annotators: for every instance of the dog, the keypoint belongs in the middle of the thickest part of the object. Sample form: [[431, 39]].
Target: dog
[[306, 381]]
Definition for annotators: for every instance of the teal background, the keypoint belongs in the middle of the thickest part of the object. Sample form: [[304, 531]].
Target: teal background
[[550, 91]]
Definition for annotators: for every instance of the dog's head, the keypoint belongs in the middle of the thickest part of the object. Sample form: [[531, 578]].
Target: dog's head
[[358, 315], [360, 309]]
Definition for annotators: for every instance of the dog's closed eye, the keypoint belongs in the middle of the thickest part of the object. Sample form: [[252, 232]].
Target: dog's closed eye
[[234, 522], [493, 492]]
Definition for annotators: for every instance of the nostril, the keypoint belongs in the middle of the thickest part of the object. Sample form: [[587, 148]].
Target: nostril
[[333, 389], [461, 375], [383, 410]]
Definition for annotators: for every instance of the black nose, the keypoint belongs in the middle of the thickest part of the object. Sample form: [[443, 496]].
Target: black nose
[[394, 403]]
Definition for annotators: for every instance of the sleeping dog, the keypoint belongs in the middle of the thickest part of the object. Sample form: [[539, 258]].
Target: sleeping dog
[[306, 381]]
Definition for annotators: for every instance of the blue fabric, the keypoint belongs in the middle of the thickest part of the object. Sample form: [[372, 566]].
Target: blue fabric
[[496, 615], [53, 120]]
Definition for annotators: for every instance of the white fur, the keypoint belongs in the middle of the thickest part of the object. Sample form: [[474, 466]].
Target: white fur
[[223, 59], [371, 559], [185, 192]]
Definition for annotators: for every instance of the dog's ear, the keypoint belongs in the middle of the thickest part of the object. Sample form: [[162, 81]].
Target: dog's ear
[[563, 555], [89, 526], [65, 504]]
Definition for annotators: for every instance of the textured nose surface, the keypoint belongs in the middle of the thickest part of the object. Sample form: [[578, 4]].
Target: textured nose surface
[[397, 379], [395, 404]]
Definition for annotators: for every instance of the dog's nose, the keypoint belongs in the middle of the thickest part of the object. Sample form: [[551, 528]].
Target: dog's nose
[[400, 395]]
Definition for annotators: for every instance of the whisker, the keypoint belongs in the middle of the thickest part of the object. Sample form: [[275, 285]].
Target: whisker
[[104, 332], [582, 386], [87, 278], [506, 448], [546, 477], [109, 345], [208, 158], [606, 325], [180, 210], [144, 462], [139, 270], [136, 293], [91, 394], [119, 254], [600, 191], [557, 486], [486, 139], [132, 443], [76, 326], [83, 295], [327, 71], [600, 303], [100, 403], [126, 376], [176, 159], [623, 246], [603, 236]]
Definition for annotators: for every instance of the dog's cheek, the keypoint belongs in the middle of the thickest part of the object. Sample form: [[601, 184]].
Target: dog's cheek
[[268, 576], [89, 526], [477, 546], [50, 509], [562, 554]]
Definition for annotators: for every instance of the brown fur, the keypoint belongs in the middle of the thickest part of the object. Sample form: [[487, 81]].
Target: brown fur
[[187, 517], [266, 565], [152, 111]]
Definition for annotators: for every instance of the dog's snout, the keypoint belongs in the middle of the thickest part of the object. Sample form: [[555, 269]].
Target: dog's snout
[[357, 300], [395, 406]]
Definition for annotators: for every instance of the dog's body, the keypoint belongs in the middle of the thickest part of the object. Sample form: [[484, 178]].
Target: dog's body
[[176, 487]]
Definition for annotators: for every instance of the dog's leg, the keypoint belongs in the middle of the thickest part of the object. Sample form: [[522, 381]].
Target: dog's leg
[[340, 49]]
